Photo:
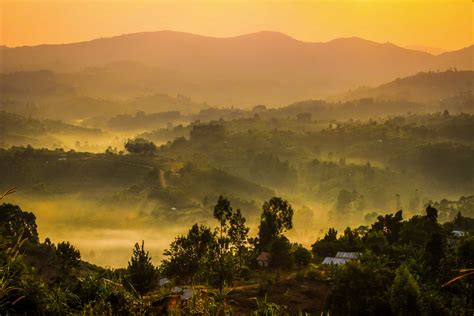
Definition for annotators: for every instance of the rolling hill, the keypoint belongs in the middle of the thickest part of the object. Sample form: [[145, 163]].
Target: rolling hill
[[422, 87], [264, 67], [17, 130]]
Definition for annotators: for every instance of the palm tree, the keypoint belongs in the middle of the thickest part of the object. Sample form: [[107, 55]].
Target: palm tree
[[464, 274], [10, 191]]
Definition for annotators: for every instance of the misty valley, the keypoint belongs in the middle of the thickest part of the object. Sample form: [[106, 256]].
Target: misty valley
[[132, 188]]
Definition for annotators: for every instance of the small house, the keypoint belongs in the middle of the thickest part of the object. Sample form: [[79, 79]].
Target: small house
[[263, 259]]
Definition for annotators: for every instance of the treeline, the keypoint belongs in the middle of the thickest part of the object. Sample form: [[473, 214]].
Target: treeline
[[432, 153], [400, 267], [373, 160], [404, 267]]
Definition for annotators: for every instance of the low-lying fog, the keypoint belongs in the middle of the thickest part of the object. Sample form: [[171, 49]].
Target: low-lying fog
[[105, 233]]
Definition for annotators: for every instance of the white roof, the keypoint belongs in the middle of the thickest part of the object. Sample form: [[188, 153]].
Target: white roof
[[457, 233], [332, 260], [163, 281], [187, 294], [348, 255]]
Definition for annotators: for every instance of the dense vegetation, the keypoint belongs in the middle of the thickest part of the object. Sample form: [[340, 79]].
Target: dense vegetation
[[161, 172], [404, 267]]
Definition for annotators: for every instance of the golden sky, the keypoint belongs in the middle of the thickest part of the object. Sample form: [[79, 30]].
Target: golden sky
[[445, 24]]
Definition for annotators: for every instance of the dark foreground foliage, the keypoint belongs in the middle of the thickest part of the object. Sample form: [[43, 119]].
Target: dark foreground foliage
[[404, 267]]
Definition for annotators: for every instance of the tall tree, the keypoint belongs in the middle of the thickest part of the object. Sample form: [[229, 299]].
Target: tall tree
[[405, 296], [68, 256], [328, 246], [302, 256], [238, 233], [223, 213], [281, 256], [231, 240], [431, 213], [141, 271], [390, 225], [15, 223], [188, 256], [434, 252], [277, 217]]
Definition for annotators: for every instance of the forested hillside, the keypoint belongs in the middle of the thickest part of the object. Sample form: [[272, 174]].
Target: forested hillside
[[422, 87]]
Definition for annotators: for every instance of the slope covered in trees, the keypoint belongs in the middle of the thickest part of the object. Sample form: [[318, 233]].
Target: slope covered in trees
[[21, 131], [423, 87]]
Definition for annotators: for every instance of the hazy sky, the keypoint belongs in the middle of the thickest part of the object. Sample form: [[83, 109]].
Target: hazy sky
[[445, 24]]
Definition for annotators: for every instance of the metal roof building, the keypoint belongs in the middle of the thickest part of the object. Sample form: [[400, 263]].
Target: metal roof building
[[342, 258], [348, 255], [332, 260]]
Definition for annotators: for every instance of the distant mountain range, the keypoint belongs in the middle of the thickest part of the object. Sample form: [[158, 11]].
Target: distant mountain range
[[264, 67]]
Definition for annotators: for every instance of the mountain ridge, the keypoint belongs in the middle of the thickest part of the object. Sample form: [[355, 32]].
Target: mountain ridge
[[245, 35], [263, 67]]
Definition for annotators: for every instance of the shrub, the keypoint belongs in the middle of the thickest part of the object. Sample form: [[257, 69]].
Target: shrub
[[314, 275], [300, 276]]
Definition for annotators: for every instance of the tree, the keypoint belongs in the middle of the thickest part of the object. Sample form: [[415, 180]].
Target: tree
[[302, 256], [328, 246], [405, 296], [238, 233], [351, 240], [434, 252], [207, 133], [431, 213], [348, 202], [142, 274], [231, 240], [269, 169], [375, 241], [359, 289], [418, 231], [461, 222], [188, 256], [140, 146], [465, 252], [331, 235], [280, 253], [277, 217], [15, 223], [210, 256], [390, 225], [223, 213], [69, 256]]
